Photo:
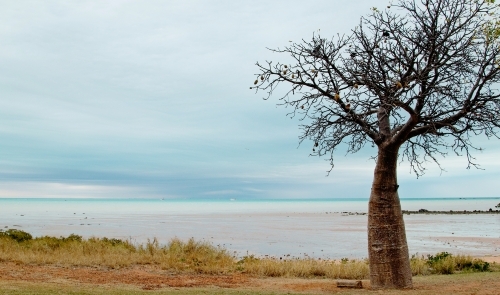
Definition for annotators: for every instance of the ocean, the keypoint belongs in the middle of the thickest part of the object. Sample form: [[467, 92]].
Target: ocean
[[318, 228]]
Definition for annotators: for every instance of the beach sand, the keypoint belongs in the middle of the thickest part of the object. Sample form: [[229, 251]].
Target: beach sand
[[490, 259]]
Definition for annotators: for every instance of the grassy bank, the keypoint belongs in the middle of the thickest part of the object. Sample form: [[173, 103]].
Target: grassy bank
[[202, 258]]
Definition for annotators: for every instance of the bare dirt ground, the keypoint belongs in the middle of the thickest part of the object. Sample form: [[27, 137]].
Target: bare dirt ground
[[151, 278]]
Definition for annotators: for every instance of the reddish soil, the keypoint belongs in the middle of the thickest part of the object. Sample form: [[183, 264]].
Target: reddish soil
[[151, 278], [147, 277]]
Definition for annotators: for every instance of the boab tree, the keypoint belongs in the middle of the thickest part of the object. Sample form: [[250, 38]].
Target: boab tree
[[416, 80]]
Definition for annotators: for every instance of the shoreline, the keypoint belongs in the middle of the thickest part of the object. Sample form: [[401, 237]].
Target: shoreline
[[489, 257], [324, 235], [425, 211], [331, 229], [451, 212]]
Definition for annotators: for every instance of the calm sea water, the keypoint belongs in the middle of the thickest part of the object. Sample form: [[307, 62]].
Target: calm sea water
[[315, 228]]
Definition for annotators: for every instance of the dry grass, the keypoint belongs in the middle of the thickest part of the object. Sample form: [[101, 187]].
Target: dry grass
[[304, 268], [201, 257], [179, 256]]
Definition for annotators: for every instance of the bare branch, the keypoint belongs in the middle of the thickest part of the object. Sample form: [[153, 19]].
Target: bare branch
[[421, 75]]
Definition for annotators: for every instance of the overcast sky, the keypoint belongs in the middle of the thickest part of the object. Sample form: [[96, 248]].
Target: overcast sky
[[152, 99]]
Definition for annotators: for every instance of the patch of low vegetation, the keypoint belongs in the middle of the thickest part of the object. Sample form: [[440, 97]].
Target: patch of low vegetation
[[202, 257], [16, 235], [446, 263]]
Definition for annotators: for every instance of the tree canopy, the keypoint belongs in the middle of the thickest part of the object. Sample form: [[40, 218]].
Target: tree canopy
[[419, 74]]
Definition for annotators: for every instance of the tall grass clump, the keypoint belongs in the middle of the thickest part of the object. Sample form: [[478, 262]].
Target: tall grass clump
[[196, 256]]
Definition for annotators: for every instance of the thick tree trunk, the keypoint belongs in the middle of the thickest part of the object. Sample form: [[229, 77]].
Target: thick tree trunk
[[387, 247]]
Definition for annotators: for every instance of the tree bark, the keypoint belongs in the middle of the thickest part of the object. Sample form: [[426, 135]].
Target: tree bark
[[387, 246]]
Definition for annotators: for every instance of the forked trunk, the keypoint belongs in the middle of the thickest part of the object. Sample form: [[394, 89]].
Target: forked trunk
[[387, 247]]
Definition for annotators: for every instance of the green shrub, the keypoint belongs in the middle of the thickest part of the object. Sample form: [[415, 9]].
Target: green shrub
[[73, 237], [16, 234], [445, 263], [114, 242], [435, 259], [248, 259], [467, 263]]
